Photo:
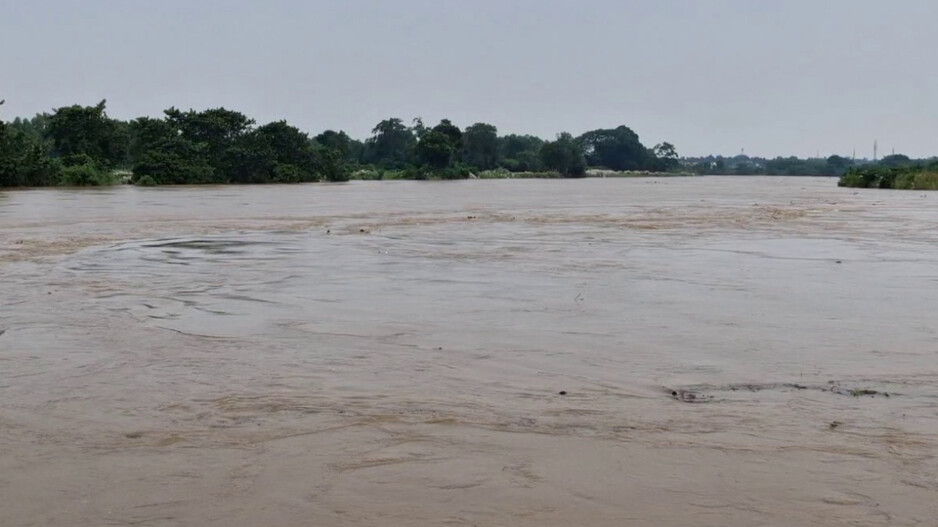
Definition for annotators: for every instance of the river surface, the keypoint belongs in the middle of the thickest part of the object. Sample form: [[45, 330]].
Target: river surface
[[721, 351]]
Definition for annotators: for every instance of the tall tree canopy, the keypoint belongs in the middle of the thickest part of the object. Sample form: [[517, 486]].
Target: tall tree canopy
[[339, 142], [480, 146], [451, 131], [390, 144], [435, 149], [80, 134], [615, 149], [665, 156], [520, 153], [564, 155], [25, 160]]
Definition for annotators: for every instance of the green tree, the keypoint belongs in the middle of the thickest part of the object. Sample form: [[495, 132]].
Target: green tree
[[616, 149], [435, 150], [252, 159], [347, 149], [214, 130], [451, 131], [339, 142], [37, 127], [480, 146], [837, 165], [175, 161], [280, 153], [215, 126], [24, 160], [290, 146], [86, 132], [390, 144], [895, 160], [520, 153], [146, 134], [332, 166], [418, 128], [666, 156], [565, 155], [162, 153]]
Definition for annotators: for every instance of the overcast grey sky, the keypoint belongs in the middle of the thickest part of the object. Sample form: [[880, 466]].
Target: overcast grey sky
[[776, 77]]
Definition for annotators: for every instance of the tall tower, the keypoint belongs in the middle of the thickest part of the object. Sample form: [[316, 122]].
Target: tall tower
[[875, 151]]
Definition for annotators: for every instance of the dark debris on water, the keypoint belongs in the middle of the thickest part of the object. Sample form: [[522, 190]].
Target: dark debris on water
[[704, 393]]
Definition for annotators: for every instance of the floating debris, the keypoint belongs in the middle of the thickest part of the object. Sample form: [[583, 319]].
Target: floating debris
[[705, 392], [687, 396]]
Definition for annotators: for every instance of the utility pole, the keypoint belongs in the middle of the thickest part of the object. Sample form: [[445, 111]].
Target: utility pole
[[875, 151]]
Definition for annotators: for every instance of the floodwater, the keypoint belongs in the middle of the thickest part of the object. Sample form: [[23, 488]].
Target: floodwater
[[731, 352]]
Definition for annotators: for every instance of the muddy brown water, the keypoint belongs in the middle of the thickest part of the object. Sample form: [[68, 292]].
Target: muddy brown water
[[733, 351]]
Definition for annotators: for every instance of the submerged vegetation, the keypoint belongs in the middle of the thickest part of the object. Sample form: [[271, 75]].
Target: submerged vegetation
[[918, 176], [83, 146]]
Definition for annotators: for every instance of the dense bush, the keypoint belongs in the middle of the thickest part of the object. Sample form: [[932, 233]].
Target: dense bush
[[86, 175], [145, 181], [910, 177]]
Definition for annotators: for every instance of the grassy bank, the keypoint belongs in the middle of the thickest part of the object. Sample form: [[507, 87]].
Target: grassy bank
[[919, 177]]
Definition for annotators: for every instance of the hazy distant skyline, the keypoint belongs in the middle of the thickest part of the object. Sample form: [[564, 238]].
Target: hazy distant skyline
[[776, 77]]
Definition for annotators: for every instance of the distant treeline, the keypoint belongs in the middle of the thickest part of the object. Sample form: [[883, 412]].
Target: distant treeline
[[789, 166], [81, 145]]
